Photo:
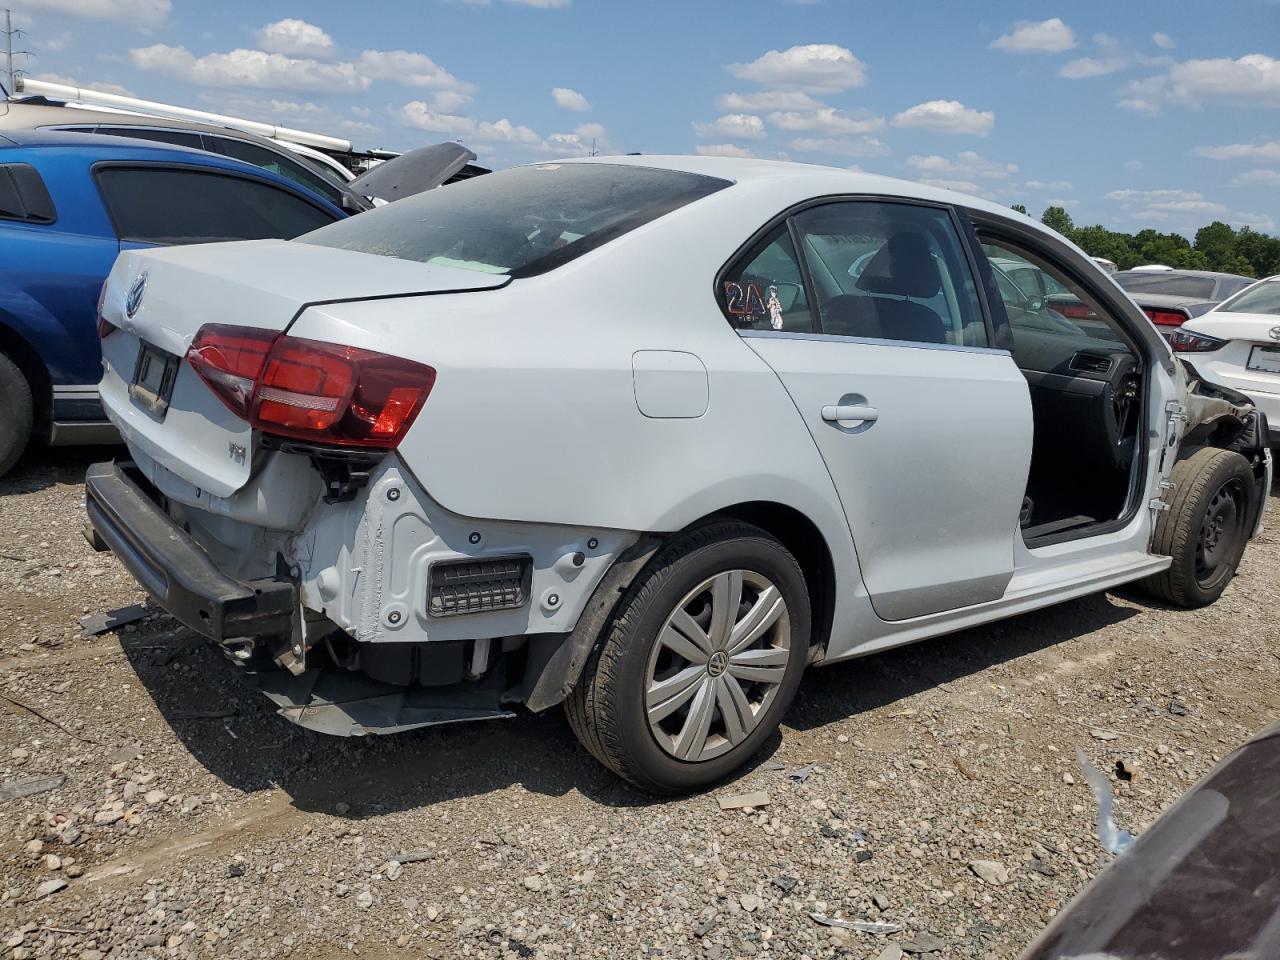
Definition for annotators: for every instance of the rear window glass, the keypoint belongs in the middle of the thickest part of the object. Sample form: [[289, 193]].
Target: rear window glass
[[1173, 285], [23, 195], [1260, 298], [169, 206], [522, 221]]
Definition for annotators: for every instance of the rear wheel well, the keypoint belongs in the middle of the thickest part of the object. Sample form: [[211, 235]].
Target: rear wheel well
[[28, 361], [802, 538]]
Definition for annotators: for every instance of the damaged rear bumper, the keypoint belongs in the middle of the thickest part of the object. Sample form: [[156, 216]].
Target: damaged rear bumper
[[172, 567]]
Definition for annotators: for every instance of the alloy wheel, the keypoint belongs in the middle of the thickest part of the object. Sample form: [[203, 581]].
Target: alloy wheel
[[717, 665]]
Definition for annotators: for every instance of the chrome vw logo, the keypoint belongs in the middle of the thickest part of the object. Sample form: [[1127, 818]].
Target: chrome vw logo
[[1274, 333], [718, 663], [134, 300]]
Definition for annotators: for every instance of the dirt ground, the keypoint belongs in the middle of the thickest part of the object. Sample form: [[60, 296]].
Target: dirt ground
[[195, 822]]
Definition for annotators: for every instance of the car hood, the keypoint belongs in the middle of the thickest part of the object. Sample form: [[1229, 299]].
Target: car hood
[[413, 172], [1201, 884], [1238, 326]]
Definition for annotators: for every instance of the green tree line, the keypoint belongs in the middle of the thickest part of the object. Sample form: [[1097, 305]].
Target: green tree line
[[1217, 246]]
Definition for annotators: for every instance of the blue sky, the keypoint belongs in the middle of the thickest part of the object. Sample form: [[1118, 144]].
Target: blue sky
[[1131, 114]]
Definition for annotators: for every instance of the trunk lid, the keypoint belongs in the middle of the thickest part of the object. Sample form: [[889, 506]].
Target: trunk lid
[[161, 298]]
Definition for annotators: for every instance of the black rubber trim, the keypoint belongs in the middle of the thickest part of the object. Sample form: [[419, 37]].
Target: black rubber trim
[[173, 569]]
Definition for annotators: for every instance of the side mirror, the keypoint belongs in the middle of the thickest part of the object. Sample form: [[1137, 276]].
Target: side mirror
[[351, 204], [788, 294], [1036, 305]]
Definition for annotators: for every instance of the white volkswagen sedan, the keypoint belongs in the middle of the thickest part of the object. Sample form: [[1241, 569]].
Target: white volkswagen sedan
[[648, 436], [1237, 344]]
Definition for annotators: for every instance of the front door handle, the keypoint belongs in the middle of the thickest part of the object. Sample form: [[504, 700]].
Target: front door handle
[[845, 413]]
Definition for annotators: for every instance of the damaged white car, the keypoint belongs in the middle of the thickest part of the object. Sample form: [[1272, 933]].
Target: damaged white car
[[648, 436]]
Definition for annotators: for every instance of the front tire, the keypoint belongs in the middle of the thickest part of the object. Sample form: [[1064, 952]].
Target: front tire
[[699, 662], [1205, 527], [18, 418]]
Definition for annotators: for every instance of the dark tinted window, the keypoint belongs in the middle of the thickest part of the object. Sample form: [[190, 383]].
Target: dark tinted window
[[1260, 298], [1169, 284], [890, 271], [1229, 286], [765, 290], [23, 195], [159, 205], [287, 167], [178, 138], [522, 221]]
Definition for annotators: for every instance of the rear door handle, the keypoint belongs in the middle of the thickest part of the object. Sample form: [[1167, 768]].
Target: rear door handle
[[855, 412]]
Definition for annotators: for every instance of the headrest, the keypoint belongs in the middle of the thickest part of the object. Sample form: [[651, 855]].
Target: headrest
[[903, 267]]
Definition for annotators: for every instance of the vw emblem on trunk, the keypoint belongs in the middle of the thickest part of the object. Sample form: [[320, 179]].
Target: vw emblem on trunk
[[134, 299], [1274, 333]]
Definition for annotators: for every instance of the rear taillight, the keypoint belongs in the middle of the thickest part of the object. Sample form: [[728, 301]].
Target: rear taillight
[[1166, 318], [105, 326], [1184, 341], [310, 390]]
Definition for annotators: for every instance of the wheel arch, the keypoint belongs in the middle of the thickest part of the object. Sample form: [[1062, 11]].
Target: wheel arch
[[804, 540], [16, 347]]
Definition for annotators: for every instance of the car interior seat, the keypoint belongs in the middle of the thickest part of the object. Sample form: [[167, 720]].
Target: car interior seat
[[903, 268]]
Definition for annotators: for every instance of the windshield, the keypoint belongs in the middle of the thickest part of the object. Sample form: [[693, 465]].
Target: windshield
[[522, 221], [1169, 284], [1262, 297]]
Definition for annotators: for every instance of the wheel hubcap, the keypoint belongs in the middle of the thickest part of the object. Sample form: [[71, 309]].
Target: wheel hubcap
[[717, 665]]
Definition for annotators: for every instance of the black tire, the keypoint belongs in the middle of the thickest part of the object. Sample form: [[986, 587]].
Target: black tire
[[18, 418], [607, 708], [1204, 528]]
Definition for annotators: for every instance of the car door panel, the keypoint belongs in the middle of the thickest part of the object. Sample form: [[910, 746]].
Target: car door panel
[[932, 486]]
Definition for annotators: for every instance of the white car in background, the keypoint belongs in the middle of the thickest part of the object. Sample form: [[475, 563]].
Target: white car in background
[[1237, 344], [648, 436]]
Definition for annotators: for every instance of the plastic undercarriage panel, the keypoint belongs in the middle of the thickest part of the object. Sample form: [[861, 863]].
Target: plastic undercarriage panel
[[337, 702]]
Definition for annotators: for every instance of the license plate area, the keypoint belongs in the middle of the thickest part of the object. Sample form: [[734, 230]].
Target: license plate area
[[153, 377], [1264, 359]]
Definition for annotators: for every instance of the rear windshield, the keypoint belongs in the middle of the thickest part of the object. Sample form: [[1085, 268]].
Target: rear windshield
[[1173, 285], [1260, 298], [519, 222]]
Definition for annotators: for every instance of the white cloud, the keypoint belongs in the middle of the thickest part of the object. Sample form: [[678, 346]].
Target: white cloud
[[1264, 178], [418, 114], [966, 165], [1086, 67], [262, 70], [296, 38], [846, 147], [568, 99], [723, 150], [1163, 41], [766, 100], [145, 13], [248, 68], [1047, 36], [1252, 80], [1049, 185], [589, 130], [817, 67], [733, 126], [1132, 164], [1161, 203], [409, 69], [947, 116], [827, 120], [1263, 151], [542, 4], [449, 101]]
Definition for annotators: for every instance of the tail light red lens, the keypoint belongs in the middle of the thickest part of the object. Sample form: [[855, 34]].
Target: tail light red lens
[[310, 390], [1166, 318], [105, 326]]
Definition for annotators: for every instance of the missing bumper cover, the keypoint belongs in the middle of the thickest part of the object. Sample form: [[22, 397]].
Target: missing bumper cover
[[458, 587]]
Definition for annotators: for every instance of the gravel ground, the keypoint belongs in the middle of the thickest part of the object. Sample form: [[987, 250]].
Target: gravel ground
[[945, 796]]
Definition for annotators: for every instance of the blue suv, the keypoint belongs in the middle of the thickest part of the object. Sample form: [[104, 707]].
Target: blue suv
[[69, 203]]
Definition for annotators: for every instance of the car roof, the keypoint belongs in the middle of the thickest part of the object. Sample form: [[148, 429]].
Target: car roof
[[51, 112], [819, 179], [1210, 274], [131, 148]]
